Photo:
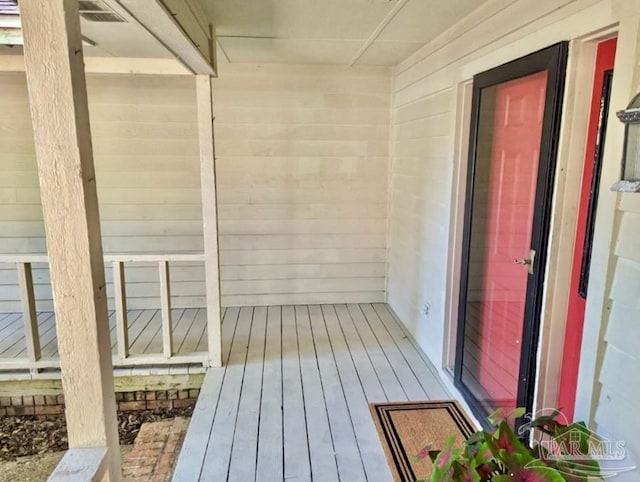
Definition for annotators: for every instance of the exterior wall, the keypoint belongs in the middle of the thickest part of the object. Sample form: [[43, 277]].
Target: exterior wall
[[302, 159], [302, 183], [425, 197]]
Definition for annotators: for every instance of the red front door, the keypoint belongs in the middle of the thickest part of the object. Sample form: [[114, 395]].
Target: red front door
[[586, 217], [494, 340]]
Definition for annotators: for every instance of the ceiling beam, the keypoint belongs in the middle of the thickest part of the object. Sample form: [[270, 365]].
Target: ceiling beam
[[378, 30], [178, 29]]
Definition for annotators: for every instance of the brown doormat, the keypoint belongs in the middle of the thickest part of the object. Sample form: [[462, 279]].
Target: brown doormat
[[406, 428]]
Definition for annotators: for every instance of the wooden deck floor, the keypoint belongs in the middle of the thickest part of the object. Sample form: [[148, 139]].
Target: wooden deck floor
[[291, 403], [145, 333]]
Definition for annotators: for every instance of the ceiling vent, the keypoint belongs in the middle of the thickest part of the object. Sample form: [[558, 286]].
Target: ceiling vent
[[9, 7], [97, 11]]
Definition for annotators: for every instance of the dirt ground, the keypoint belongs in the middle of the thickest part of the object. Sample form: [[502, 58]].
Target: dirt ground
[[36, 468], [31, 447]]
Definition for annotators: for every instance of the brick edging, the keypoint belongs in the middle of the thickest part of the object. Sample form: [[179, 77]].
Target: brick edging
[[126, 401]]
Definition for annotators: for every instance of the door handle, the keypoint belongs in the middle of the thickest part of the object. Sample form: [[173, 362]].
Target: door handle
[[529, 262]]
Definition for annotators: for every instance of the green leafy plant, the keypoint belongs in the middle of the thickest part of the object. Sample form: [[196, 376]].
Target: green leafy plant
[[499, 455]]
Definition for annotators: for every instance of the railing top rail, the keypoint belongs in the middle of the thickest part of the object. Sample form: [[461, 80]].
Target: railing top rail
[[24, 258], [111, 257], [133, 257]]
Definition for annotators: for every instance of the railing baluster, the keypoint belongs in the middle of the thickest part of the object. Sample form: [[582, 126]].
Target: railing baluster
[[123, 357], [29, 315], [120, 299], [165, 303]]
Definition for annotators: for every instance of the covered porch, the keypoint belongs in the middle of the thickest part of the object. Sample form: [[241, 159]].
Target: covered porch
[[332, 216], [291, 402]]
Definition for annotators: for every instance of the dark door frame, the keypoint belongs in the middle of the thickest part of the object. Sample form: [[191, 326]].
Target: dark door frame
[[553, 60]]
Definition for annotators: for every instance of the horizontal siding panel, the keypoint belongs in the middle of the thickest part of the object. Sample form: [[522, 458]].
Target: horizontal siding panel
[[42, 292], [135, 304], [9, 229], [297, 115], [140, 195], [140, 165], [21, 212], [630, 203], [142, 274], [18, 179], [159, 147], [152, 179], [303, 298], [613, 426], [622, 330], [328, 148], [132, 89], [301, 241], [328, 285], [331, 132], [137, 112], [627, 245], [302, 256], [301, 271], [303, 226], [301, 211], [431, 105], [615, 372], [284, 82], [153, 212], [626, 288], [337, 192]]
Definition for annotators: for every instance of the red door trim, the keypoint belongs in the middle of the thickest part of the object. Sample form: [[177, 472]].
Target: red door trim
[[605, 57]]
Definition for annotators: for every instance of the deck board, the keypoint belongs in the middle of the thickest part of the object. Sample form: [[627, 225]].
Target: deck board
[[204, 412], [218, 455], [270, 463], [181, 327], [321, 447], [422, 370], [354, 392], [292, 401], [347, 451], [242, 468], [297, 464], [381, 364], [368, 377]]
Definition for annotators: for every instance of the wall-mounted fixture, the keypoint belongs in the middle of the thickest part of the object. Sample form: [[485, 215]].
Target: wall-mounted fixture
[[631, 154]]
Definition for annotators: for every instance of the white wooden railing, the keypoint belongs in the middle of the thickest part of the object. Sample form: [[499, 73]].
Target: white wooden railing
[[123, 357]]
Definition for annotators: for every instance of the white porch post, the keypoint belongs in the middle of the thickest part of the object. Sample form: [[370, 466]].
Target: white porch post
[[209, 216], [58, 101]]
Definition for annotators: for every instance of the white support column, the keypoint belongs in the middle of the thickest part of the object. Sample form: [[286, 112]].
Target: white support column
[[60, 117], [209, 216]]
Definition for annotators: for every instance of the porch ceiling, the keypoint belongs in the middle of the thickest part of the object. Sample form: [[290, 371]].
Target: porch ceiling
[[370, 32], [378, 32], [123, 38]]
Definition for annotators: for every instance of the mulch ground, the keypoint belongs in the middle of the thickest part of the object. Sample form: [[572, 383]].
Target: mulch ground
[[29, 435]]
